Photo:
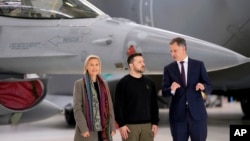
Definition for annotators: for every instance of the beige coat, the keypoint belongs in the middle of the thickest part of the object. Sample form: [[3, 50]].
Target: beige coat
[[79, 112]]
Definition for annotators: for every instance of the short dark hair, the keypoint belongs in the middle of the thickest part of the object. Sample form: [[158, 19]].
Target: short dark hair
[[180, 41], [132, 56]]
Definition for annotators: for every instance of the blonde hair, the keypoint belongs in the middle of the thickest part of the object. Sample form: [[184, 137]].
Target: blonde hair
[[87, 61]]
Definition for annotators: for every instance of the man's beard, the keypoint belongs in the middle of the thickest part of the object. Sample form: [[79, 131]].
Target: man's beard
[[139, 70]]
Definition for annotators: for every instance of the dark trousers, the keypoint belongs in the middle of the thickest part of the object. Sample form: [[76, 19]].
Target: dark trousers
[[100, 136], [195, 129]]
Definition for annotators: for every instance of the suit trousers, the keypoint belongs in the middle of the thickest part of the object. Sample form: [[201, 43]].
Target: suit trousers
[[195, 129]]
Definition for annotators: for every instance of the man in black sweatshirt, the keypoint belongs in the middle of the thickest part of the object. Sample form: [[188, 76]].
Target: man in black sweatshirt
[[136, 108]]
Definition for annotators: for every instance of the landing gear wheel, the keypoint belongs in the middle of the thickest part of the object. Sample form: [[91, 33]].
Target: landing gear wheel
[[69, 115], [245, 106]]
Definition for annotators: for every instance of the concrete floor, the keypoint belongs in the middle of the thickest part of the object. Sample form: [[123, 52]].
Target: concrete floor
[[56, 129]]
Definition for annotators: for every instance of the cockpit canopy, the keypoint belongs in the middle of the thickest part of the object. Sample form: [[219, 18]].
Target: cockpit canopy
[[48, 9]]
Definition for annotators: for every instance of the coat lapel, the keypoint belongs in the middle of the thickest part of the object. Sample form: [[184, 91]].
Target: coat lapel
[[177, 71], [190, 65]]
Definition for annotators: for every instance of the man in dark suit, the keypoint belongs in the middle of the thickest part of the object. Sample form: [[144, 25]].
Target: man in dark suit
[[187, 113]]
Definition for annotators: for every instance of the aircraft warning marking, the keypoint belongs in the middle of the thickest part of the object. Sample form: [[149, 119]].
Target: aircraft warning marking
[[22, 46], [61, 40]]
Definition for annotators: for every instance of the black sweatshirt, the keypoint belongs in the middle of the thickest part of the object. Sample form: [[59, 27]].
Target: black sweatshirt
[[136, 101]]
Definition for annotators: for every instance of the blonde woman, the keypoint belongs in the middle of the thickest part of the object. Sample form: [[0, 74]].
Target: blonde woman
[[93, 108]]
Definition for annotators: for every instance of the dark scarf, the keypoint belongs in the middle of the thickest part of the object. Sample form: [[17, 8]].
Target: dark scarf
[[97, 111]]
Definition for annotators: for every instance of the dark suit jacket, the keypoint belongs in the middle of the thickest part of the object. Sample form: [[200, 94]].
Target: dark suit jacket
[[196, 73]]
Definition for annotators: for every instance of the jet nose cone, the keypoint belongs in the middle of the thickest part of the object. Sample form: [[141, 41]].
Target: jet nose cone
[[214, 56], [154, 44]]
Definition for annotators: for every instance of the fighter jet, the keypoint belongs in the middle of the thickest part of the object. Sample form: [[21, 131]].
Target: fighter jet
[[225, 23], [55, 36]]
